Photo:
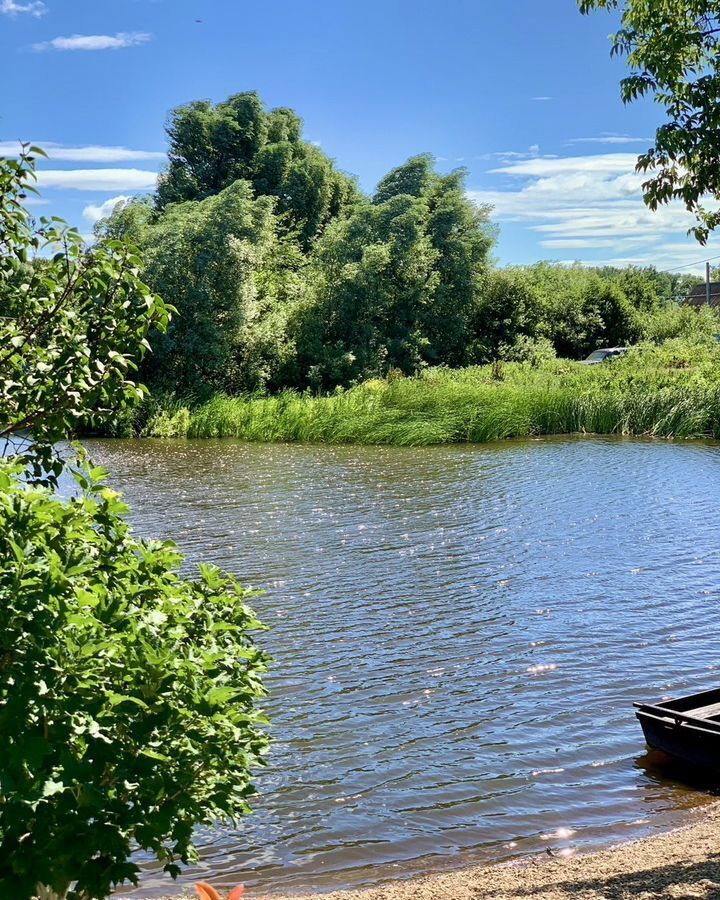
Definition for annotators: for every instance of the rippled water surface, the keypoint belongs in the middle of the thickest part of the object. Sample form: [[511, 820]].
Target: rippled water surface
[[459, 633]]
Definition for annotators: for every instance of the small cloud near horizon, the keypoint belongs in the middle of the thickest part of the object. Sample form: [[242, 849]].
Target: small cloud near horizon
[[94, 41], [97, 179], [611, 139], [93, 213], [34, 8]]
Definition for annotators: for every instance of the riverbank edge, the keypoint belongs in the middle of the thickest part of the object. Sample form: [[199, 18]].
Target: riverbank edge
[[681, 863], [671, 391]]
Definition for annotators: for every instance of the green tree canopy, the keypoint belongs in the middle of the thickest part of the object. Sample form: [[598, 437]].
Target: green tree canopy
[[576, 309], [213, 146], [673, 50], [396, 282]]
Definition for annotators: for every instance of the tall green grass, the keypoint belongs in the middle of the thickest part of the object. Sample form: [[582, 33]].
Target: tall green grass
[[672, 391]]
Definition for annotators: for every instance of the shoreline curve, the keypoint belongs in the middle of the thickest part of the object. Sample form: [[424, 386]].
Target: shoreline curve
[[674, 865]]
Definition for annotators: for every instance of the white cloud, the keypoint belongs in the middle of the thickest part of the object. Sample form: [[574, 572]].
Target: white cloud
[[577, 244], [611, 139], [97, 179], [34, 8], [602, 163], [93, 213], [542, 99], [90, 154], [591, 203], [95, 41]]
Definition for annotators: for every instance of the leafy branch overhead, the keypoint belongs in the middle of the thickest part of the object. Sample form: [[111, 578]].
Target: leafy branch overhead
[[673, 50]]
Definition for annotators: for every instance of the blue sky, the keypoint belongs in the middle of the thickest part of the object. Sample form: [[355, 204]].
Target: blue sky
[[522, 93]]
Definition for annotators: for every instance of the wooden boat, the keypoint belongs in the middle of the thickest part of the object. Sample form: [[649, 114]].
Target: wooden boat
[[687, 728]]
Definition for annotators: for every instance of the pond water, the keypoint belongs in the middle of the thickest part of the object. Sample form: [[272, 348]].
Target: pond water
[[458, 634]]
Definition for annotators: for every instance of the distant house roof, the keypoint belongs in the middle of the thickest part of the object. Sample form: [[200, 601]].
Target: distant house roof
[[698, 296]]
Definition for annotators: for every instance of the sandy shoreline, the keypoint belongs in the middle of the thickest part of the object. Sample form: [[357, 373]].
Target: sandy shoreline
[[683, 863]]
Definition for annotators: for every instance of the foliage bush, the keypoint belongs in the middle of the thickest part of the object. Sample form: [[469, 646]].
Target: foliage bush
[[214, 146], [126, 694], [73, 324]]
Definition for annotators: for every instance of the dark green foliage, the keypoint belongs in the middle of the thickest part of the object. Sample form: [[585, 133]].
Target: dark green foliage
[[577, 308], [206, 255], [412, 178], [673, 50], [232, 274], [397, 281], [213, 146], [328, 292], [126, 694], [73, 325], [462, 236]]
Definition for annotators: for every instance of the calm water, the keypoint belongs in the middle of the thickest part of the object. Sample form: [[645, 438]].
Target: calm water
[[458, 634]]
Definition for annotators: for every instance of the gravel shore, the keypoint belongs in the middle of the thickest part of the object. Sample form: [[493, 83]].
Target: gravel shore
[[684, 863]]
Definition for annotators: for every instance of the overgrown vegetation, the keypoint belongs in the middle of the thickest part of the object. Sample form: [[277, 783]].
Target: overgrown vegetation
[[668, 391], [285, 276], [127, 692]]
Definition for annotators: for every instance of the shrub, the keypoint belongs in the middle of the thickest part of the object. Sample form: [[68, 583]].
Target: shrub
[[127, 694]]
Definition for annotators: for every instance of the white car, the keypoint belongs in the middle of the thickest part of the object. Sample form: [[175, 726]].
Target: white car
[[605, 354]]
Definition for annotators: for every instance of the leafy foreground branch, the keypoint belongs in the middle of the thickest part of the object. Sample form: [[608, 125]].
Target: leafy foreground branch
[[668, 391], [74, 324], [127, 692]]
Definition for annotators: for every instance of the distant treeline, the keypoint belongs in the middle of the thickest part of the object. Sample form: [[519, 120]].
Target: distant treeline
[[286, 275]]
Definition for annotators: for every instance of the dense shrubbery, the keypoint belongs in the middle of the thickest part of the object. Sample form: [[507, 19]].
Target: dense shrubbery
[[127, 692], [286, 276], [578, 309], [668, 391]]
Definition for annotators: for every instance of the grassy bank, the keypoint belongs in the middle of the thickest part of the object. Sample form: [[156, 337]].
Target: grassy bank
[[668, 391]]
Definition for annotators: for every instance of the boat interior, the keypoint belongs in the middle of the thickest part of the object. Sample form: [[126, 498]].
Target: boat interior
[[704, 706]]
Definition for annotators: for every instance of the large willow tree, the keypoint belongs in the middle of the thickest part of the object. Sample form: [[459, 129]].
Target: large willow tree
[[213, 146]]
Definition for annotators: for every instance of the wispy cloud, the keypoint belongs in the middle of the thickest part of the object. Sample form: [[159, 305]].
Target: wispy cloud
[[611, 139], [592, 203], [90, 154], [541, 99], [533, 152], [34, 8], [95, 41], [94, 212], [600, 164], [97, 179]]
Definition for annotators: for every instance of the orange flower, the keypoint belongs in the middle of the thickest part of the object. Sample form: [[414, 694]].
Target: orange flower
[[206, 892]]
